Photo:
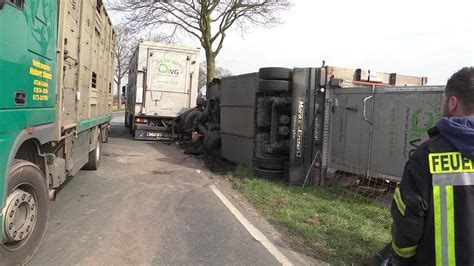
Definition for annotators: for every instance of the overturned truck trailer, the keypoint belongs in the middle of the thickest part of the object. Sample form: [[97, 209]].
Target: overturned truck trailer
[[373, 131], [307, 122]]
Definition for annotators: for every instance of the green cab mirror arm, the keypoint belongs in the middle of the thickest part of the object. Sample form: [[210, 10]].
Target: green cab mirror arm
[[2, 4]]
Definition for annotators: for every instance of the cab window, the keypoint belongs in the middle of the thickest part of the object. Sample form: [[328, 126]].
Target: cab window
[[17, 3]]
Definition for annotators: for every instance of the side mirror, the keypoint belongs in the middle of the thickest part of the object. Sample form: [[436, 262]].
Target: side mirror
[[2, 4]]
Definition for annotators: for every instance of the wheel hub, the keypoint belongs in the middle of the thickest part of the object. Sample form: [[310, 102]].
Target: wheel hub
[[20, 215]]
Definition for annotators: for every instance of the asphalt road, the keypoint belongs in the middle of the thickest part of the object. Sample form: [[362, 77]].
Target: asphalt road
[[146, 205]]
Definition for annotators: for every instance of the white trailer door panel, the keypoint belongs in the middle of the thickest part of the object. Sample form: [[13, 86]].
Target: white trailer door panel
[[168, 83]]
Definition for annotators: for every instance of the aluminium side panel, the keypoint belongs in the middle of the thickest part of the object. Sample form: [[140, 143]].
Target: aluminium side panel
[[97, 62], [238, 97], [373, 132], [402, 117], [68, 68], [88, 63], [135, 85], [349, 75], [239, 121], [238, 103], [349, 135], [239, 90], [86, 53], [238, 149]]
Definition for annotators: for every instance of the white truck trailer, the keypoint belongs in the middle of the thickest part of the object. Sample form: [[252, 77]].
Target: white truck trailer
[[163, 84]]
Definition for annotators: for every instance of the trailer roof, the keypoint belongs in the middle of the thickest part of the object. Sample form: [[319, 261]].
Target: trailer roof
[[373, 77], [168, 46]]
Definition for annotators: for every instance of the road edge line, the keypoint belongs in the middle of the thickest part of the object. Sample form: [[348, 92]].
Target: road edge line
[[256, 234]]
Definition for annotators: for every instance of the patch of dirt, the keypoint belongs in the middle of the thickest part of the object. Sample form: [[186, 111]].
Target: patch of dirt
[[215, 165], [312, 221], [282, 201]]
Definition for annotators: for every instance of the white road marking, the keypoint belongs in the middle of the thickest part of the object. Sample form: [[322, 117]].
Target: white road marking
[[256, 234]]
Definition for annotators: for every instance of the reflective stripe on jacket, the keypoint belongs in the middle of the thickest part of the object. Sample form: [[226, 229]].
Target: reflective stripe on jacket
[[433, 208]]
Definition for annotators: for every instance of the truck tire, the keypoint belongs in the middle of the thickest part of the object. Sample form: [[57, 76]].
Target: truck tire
[[132, 126], [212, 143], [105, 134], [26, 213], [271, 174], [94, 157], [126, 120], [278, 73], [190, 119], [270, 163], [274, 86]]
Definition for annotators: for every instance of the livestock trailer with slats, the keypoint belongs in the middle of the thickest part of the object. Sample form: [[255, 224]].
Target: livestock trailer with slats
[[57, 67]]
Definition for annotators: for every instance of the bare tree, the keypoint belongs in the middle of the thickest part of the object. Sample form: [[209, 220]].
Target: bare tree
[[220, 73], [206, 20], [124, 52], [127, 41]]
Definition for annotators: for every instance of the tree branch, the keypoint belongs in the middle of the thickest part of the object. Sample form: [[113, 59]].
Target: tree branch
[[206, 20]]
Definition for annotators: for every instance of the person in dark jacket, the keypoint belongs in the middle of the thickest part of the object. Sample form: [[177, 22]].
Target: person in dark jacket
[[433, 207]]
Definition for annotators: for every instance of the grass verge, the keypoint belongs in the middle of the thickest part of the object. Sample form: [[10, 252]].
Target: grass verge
[[340, 230]]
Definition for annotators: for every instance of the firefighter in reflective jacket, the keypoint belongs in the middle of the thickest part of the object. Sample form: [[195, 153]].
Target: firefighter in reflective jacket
[[433, 207]]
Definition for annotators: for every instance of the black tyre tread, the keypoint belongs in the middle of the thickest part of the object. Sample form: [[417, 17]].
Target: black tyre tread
[[106, 133], [275, 73], [132, 127], [126, 120], [190, 119], [269, 166], [24, 254], [273, 158], [272, 174], [270, 163], [212, 143], [274, 86]]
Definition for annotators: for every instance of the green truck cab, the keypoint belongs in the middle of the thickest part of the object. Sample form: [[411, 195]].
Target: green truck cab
[[56, 74]]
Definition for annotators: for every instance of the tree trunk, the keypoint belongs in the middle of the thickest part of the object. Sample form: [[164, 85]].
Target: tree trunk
[[211, 65], [119, 93]]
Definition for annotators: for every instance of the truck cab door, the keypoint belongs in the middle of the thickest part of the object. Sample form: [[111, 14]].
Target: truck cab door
[[27, 60], [13, 46]]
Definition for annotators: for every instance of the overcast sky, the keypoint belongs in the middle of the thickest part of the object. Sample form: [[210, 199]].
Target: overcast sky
[[424, 38]]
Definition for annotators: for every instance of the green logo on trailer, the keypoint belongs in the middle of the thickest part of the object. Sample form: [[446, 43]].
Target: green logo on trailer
[[169, 68]]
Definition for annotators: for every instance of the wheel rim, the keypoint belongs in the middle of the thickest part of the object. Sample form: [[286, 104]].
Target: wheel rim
[[20, 215]]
